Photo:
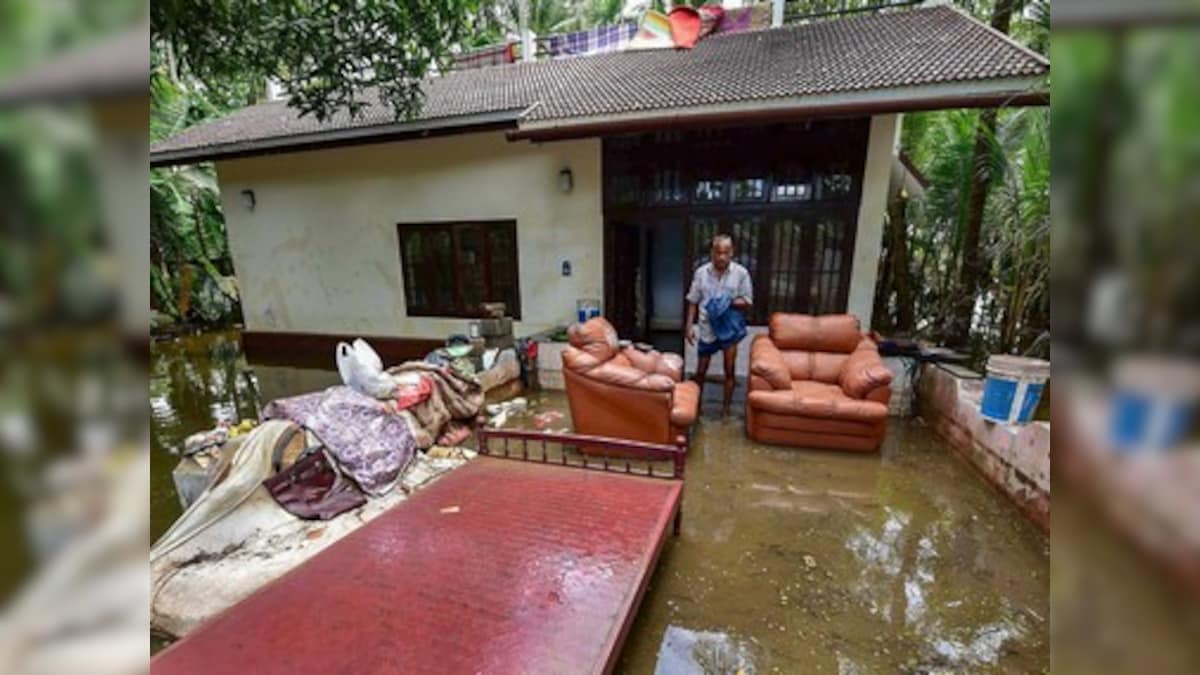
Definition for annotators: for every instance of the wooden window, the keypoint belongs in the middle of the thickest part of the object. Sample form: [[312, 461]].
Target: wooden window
[[450, 269]]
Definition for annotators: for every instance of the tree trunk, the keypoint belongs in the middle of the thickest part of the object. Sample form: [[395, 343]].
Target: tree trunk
[[971, 269], [898, 253]]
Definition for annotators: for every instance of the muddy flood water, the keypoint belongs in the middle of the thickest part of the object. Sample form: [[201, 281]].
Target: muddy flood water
[[789, 561]]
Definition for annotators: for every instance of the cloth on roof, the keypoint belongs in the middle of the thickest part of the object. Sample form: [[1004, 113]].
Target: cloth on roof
[[710, 18], [685, 26], [370, 442], [492, 55], [689, 26], [752, 17], [654, 32], [595, 40]]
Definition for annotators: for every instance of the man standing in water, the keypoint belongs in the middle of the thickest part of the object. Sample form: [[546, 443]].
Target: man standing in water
[[721, 286]]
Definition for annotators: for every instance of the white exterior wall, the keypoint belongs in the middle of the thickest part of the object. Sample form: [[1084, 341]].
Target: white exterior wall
[[320, 252], [882, 146]]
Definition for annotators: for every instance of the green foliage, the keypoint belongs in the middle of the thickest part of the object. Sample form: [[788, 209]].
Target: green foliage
[[1014, 303], [191, 271], [329, 56]]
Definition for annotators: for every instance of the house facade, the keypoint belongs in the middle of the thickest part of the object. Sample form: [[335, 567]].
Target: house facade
[[600, 177]]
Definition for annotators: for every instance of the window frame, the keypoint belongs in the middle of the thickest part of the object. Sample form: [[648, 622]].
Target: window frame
[[459, 309]]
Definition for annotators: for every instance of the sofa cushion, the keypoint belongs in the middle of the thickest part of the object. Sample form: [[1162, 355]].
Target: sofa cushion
[[596, 337], [820, 366], [654, 361], [819, 426], [685, 404], [614, 373], [864, 372], [815, 425], [817, 399], [829, 333]]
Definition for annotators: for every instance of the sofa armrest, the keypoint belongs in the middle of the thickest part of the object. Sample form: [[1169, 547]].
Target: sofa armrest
[[864, 374], [685, 404], [880, 394], [766, 361]]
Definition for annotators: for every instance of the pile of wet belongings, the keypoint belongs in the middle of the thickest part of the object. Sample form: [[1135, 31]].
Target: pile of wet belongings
[[372, 441], [235, 537]]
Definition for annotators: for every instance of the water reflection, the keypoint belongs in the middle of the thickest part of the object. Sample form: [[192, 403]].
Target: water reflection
[[198, 381], [689, 651]]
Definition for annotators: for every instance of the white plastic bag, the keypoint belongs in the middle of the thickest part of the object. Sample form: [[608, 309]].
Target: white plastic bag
[[361, 369], [367, 355]]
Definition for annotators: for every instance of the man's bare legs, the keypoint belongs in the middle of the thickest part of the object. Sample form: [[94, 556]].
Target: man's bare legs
[[730, 359], [730, 363], [701, 372]]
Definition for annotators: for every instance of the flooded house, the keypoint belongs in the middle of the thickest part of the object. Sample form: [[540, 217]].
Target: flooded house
[[606, 177], [538, 184]]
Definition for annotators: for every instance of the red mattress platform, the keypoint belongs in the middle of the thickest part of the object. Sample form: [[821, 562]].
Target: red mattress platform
[[501, 566]]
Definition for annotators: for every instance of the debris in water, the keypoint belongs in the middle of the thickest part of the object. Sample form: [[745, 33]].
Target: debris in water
[[540, 421], [810, 562]]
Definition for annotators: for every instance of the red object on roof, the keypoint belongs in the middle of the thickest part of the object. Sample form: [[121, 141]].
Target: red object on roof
[[685, 26], [501, 566]]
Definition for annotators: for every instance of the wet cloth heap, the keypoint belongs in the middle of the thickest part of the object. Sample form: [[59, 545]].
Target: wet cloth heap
[[453, 397], [371, 440]]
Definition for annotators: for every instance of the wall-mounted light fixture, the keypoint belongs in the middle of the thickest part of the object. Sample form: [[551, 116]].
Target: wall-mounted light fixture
[[566, 180], [248, 199]]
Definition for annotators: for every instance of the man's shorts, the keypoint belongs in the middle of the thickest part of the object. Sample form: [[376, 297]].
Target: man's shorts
[[709, 348]]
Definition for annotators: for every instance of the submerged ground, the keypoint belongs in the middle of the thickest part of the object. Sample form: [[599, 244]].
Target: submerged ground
[[789, 561]]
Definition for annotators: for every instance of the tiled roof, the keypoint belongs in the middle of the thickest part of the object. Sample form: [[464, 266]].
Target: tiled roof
[[891, 50]]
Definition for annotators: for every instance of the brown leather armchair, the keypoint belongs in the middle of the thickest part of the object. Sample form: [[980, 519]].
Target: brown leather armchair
[[625, 393], [817, 381]]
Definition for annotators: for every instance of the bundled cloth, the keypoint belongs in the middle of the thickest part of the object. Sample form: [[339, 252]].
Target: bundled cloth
[[453, 396], [728, 324]]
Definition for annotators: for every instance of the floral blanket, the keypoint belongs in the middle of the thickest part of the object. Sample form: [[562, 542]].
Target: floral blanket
[[370, 440]]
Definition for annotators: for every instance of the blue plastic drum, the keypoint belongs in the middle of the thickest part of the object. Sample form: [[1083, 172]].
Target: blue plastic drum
[[1013, 388]]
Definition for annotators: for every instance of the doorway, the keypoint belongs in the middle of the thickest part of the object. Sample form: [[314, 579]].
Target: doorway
[[788, 194], [665, 301], [645, 274]]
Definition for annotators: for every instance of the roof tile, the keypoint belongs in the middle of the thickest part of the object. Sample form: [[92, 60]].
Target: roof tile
[[926, 46]]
